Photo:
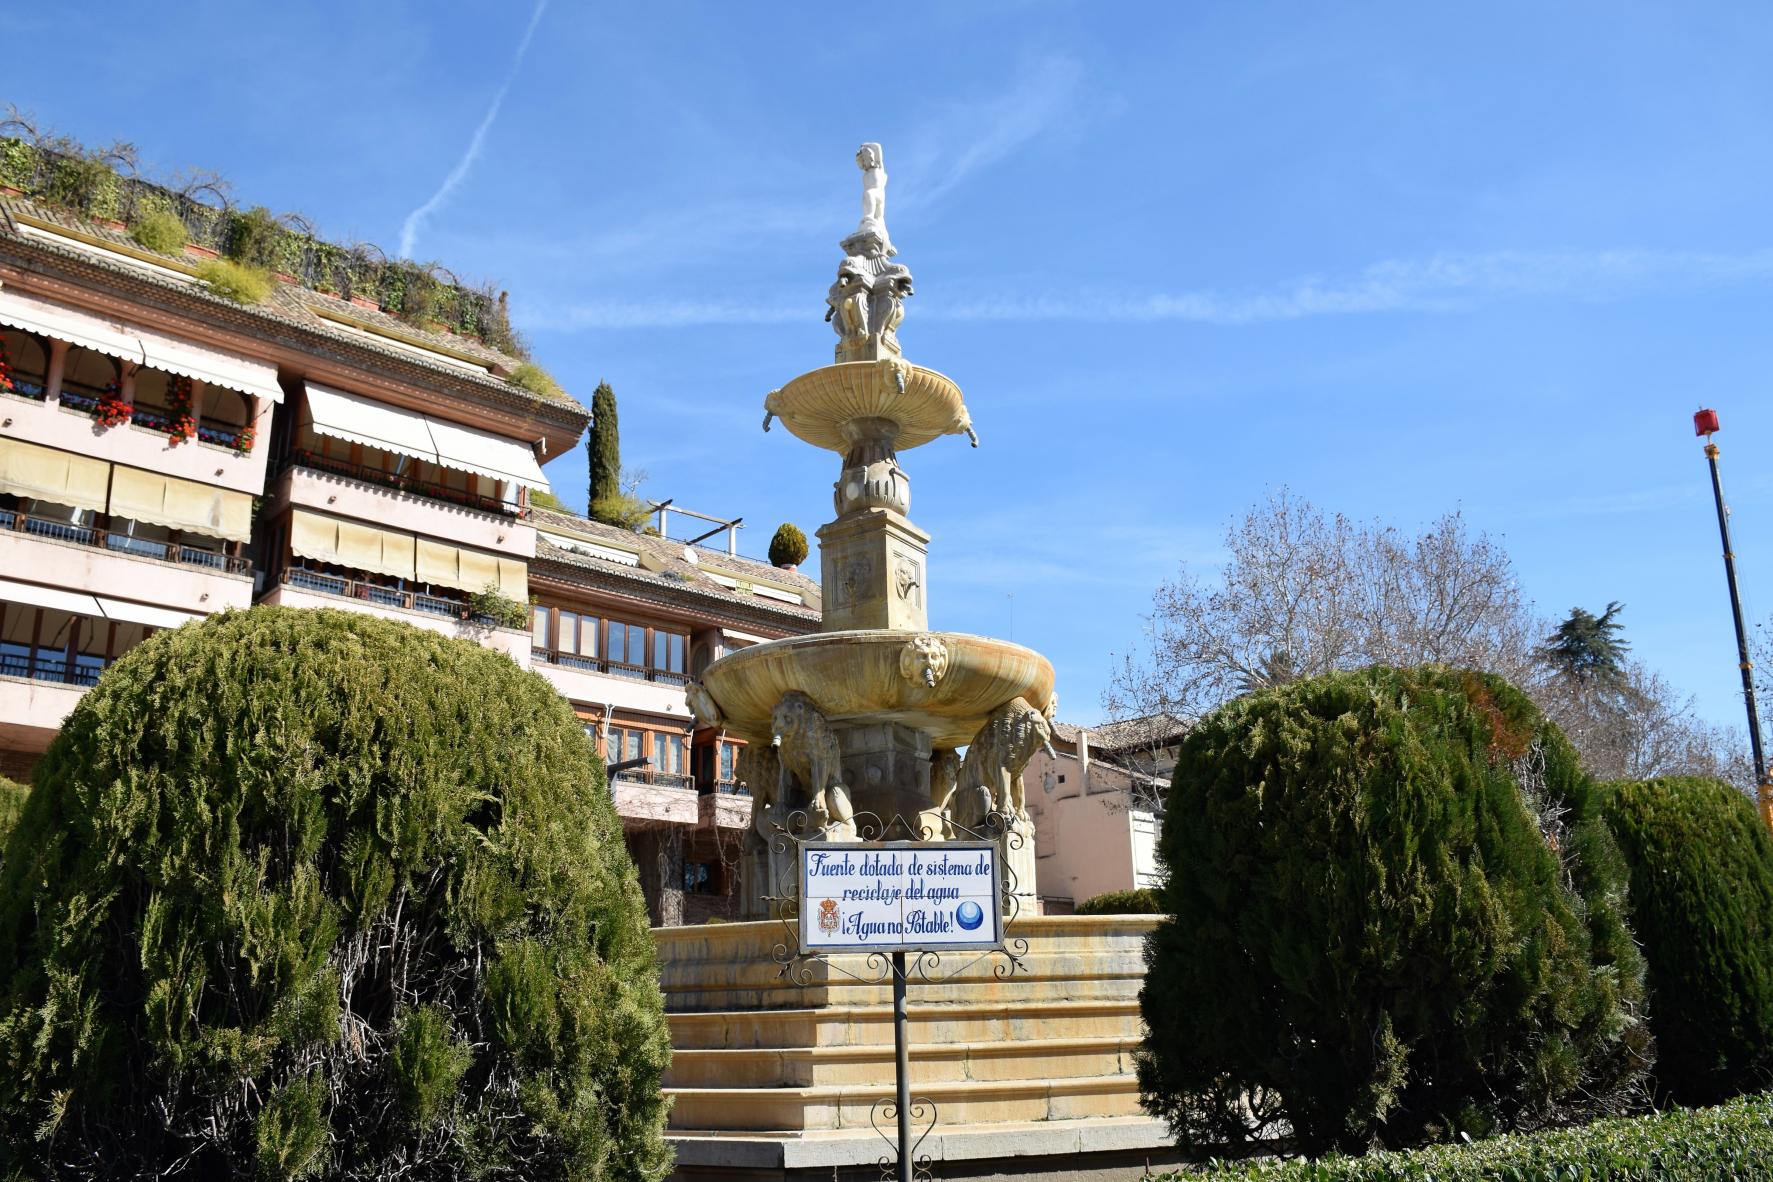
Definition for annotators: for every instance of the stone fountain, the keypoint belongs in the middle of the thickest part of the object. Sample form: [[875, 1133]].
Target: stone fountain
[[867, 714], [856, 731]]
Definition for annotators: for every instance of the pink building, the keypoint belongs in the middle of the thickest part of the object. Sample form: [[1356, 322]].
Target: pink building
[[166, 452]]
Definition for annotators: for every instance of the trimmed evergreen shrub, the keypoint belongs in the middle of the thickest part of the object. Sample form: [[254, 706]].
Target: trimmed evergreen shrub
[[308, 893], [788, 547], [1396, 914], [1732, 1141], [1139, 901], [1702, 907], [604, 443]]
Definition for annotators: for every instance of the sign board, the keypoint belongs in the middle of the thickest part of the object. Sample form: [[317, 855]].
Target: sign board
[[900, 896]]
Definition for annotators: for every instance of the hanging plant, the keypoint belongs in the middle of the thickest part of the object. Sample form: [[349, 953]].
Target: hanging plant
[[5, 368], [112, 410], [178, 399], [244, 439]]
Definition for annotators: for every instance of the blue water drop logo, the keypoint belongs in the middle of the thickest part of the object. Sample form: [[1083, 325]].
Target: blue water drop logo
[[969, 916]]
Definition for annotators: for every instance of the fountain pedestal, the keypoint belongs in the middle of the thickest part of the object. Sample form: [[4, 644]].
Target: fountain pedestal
[[873, 565]]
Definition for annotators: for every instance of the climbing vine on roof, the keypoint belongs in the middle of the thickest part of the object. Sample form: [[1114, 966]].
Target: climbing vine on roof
[[105, 185]]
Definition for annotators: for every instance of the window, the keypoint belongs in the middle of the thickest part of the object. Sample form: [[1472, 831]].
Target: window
[[700, 878], [87, 374], [29, 360], [566, 632], [726, 761], [538, 626], [627, 643], [668, 651]]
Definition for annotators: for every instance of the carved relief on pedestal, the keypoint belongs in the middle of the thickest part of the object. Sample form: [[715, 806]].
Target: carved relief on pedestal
[[908, 578], [924, 659]]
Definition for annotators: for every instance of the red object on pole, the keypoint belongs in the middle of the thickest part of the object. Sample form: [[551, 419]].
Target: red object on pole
[[1705, 422]]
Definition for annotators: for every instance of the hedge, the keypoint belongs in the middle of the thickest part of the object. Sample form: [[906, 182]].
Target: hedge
[[1139, 901], [1394, 913], [1734, 1141], [307, 893]]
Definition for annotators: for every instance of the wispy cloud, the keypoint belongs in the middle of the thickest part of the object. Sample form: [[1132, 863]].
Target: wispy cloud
[[1439, 283], [1442, 282], [415, 221], [963, 139]]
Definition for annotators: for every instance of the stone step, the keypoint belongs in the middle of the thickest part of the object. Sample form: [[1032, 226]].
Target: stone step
[[873, 1025], [992, 1061], [799, 1109]]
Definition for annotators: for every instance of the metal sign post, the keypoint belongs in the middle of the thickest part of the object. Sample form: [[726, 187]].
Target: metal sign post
[[887, 899]]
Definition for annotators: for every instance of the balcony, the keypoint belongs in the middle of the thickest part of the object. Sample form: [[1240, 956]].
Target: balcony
[[400, 484], [610, 668], [655, 777], [103, 539], [300, 587]]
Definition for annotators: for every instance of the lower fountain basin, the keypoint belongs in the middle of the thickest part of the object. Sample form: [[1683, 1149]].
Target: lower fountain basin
[[881, 676]]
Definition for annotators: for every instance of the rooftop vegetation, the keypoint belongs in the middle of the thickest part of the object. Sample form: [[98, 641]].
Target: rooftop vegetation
[[105, 185]]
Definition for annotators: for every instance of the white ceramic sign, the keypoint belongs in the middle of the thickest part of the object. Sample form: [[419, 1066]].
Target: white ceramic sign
[[900, 896]]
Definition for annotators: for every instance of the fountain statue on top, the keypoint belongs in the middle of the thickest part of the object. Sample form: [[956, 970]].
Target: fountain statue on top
[[864, 718], [868, 300]]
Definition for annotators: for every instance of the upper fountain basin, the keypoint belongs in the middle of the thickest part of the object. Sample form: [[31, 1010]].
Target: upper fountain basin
[[881, 676], [826, 406]]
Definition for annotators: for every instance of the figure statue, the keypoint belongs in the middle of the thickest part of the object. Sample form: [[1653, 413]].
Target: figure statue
[[809, 752], [702, 706], [874, 182]]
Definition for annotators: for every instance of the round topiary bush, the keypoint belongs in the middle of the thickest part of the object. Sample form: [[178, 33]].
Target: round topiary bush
[[306, 893], [788, 547], [1702, 906], [1396, 914], [1138, 901]]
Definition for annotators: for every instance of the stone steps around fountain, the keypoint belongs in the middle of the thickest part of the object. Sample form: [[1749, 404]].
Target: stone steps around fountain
[[951, 1062], [959, 1102], [841, 1026]]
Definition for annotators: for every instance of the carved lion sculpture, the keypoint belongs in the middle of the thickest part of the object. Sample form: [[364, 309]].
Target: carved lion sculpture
[[809, 753], [760, 769], [702, 705], [990, 777]]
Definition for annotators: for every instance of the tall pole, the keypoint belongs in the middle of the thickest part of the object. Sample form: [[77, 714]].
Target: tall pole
[[902, 1053], [1705, 422]]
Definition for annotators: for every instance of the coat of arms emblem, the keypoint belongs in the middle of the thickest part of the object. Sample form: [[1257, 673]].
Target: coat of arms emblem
[[828, 917]]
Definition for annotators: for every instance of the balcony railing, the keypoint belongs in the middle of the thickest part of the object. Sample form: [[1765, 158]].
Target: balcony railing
[[654, 777], [220, 436], [401, 484], [50, 666], [377, 593], [732, 787], [153, 420], [612, 668], [26, 388], [104, 539]]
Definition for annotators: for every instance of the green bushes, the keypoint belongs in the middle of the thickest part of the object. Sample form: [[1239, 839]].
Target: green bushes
[[235, 281], [12, 806], [159, 230], [1702, 907], [307, 892], [1139, 901], [1734, 1141], [788, 547], [1396, 914], [538, 381], [493, 604]]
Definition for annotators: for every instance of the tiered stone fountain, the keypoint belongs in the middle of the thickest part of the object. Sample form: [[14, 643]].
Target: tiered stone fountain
[[774, 1077]]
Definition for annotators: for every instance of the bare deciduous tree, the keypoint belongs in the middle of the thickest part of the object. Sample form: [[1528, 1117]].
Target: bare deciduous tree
[[1303, 593]]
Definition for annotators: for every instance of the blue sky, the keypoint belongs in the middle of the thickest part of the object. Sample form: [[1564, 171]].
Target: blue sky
[[1402, 258]]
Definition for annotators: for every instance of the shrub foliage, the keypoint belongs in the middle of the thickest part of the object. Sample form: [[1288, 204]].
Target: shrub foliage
[[1396, 913], [1732, 1141], [1702, 907], [788, 546], [1139, 901], [308, 893], [235, 281]]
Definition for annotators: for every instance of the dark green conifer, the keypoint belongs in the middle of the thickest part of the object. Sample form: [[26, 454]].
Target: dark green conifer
[[788, 546], [1702, 907], [307, 893], [1396, 913], [605, 447]]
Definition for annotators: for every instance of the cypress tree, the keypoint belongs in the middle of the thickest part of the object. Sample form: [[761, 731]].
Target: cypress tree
[[1702, 906], [307, 893], [1396, 912], [605, 447]]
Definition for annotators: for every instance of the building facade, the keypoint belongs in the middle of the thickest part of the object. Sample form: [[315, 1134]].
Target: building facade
[[166, 453], [1097, 805]]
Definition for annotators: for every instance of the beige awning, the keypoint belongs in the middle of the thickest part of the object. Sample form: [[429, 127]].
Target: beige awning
[[142, 613], [375, 550], [50, 597], [469, 449], [373, 424], [437, 563], [469, 570], [314, 536], [46, 474], [514, 579], [144, 346], [180, 504]]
